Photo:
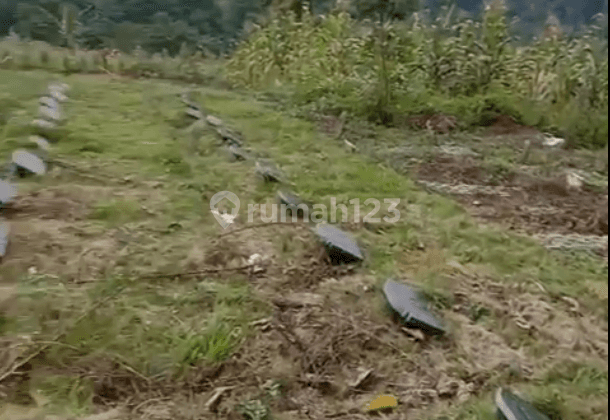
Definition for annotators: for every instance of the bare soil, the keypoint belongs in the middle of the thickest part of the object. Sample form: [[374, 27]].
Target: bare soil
[[319, 345], [526, 203], [438, 123]]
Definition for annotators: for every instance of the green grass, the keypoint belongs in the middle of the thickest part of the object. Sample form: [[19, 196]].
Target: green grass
[[73, 392], [168, 327], [117, 211]]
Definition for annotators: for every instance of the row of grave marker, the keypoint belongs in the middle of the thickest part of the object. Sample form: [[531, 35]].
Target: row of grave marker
[[31, 162], [406, 301]]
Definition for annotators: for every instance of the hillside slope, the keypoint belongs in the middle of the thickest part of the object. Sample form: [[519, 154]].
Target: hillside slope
[[120, 290]]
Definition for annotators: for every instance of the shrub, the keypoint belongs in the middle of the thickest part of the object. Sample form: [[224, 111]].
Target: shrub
[[466, 68]]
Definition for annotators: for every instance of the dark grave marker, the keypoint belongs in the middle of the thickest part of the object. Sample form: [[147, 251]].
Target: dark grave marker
[[412, 307], [237, 154], [292, 203], [28, 162], [269, 172], [341, 248]]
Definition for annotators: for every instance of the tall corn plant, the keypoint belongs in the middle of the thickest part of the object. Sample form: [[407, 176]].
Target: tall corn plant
[[367, 66], [495, 39], [294, 51], [557, 71], [464, 57]]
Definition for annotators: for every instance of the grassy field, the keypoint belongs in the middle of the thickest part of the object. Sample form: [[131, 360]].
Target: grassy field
[[121, 290]]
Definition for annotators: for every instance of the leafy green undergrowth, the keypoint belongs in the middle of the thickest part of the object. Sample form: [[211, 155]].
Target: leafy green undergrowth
[[472, 70]]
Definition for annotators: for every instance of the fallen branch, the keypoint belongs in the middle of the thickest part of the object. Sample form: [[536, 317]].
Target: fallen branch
[[151, 401], [85, 173], [157, 276], [194, 273], [260, 225]]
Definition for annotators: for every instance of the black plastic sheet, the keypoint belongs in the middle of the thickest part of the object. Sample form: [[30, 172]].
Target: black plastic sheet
[[412, 307], [269, 172], [237, 153], [29, 162], [341, 248]]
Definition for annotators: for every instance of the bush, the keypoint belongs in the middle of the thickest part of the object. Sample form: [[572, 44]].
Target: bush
[[466, 69], [584, 129]]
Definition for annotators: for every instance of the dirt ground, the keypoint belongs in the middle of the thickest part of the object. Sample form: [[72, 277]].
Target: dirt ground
[[520, 198], [316, 357], [523, 202], [329, 360]]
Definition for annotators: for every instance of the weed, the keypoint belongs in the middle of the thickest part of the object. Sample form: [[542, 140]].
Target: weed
[[215, 344], [76, 393], [254, 410]]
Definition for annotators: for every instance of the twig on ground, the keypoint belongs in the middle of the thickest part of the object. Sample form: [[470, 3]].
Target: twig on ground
[[194, 273], [18, 365], [125, 364], [85, 173], [151, 401], [158, 276], [260, 225]]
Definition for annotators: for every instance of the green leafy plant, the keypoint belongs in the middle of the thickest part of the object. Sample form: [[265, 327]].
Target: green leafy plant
[[377, 70]]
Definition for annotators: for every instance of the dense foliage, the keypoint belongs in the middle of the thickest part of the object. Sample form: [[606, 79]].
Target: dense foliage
[[378, 59], [216, 25], [466, 68]]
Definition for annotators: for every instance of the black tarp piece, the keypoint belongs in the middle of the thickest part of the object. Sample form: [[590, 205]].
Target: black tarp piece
[[194, 113], [237, 153], [291, 201], [28, 162], [268, 171], [8, 192], [5, 231], [341, 248], [230, 138], [511, 407], [412, 307]]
